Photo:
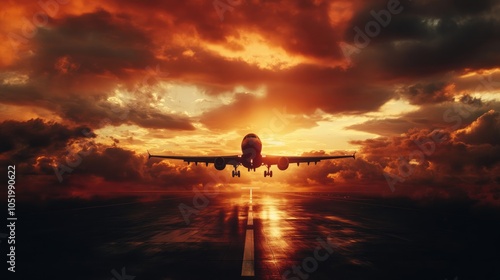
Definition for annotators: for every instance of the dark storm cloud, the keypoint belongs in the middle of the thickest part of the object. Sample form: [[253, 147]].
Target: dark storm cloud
[[449, 162], [456, 7], [484, 130], [95, 111], [38, 135], [463, 163], [446, 115], [342, 175], [428, 93], [96, 43], [385, 127], [434, 37], [99, 113], [78, 63], [113, 164], [113, 170], [41, 149]]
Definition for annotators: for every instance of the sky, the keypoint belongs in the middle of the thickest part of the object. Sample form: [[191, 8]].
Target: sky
[[412, 86]]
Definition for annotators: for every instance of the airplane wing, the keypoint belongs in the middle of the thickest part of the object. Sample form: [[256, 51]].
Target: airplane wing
[[231, 160], [272, 160]]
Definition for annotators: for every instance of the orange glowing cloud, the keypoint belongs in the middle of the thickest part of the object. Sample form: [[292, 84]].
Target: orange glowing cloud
[[176, 77]]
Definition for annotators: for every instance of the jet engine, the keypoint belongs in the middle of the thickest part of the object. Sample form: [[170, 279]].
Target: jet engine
[[283, 163], [219, 163]]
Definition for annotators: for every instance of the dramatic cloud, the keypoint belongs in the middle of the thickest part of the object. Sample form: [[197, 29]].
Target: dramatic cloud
[[87, 88], [484, 130], [447, 115], [36, 135], [429, 93], [422, 41]]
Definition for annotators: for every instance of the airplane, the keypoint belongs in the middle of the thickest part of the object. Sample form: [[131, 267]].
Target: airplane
[[251, 158]]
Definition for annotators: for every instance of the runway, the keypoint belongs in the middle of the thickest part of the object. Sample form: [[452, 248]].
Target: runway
[[263, 236]]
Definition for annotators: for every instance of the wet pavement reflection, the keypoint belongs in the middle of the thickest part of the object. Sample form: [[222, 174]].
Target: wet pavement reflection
[[296, 236]]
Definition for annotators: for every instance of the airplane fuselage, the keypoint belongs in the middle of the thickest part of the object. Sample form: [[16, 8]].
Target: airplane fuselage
[[251, 148]]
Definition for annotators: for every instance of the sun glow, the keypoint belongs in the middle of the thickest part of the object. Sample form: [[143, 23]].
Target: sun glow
[[255, 50]]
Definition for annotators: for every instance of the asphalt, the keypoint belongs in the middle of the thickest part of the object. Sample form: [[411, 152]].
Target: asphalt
[[266, 236]]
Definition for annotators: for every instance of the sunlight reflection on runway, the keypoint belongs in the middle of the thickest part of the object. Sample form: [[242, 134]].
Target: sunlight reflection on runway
[[368, 238]]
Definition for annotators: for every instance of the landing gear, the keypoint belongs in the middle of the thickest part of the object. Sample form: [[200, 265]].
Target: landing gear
[[236, 173], [268, 172]]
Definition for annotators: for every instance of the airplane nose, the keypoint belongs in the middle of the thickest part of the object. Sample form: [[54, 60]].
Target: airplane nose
[[251, 147]]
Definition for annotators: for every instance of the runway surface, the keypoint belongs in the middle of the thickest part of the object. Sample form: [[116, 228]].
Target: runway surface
[[267, 235]]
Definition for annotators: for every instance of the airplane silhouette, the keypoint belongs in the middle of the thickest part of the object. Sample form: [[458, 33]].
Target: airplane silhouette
[[251, 158]]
